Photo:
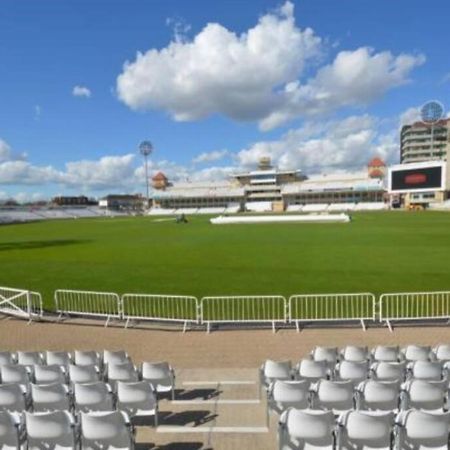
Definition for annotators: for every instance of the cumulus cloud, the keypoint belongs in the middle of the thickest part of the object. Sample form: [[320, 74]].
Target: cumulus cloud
[[410, 116], [207, 157], [106, 172], [6, 153], [81, 91], [220, 71], [329, 145], [355, 78], [258, 75]]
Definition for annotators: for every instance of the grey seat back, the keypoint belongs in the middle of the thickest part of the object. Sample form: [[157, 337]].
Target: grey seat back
[[92, 397], [50, 430], [12, 398], [9, 431]]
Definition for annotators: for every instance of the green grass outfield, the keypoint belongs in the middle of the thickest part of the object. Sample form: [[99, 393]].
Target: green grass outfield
[[377, 252]]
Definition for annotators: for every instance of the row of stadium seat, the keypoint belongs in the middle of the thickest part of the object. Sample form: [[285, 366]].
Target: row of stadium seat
[[161, 375], [62, 430], [14, 216], [356, 371], [231, 209], [382, 353], [64, 358], [335, 207], [354, 430]]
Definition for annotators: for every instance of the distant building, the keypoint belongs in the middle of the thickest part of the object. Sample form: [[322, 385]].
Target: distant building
[[270, 189], [122, 202], [81, 200], [160, 181], [425, 142]]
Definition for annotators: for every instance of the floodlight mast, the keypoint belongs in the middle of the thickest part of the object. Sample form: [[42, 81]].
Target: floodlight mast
[[146, 148], [431, 113]]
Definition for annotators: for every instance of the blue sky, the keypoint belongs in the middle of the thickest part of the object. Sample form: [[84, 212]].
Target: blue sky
[[316, 84]]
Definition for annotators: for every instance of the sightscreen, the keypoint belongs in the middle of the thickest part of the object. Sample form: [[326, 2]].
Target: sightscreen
[[412, 179]]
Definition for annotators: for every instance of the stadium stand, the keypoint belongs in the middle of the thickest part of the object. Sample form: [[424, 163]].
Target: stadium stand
[[72, 410], [316, 207], [337, 410], [341, 207], [354, 408], [258, 207], [294, 208]]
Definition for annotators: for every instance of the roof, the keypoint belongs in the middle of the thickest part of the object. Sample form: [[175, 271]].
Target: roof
[[376, 162], [159, 177]]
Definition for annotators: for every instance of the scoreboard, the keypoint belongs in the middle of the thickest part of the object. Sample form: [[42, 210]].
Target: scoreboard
[[423, 177]]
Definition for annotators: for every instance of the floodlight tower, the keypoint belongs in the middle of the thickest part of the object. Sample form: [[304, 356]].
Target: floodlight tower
[[431, 113], [146, 148]]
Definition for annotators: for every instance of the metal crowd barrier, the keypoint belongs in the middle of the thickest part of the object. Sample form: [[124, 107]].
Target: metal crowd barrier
[[243, 309], [169, 308], [332, 307], [88, 303], [414, 306], [21, 303]]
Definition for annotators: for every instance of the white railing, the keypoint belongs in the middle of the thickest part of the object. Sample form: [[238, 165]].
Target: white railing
[[332, 307], [414, 306], [243, 309], [170, 308], [88, 303], [21, 303]]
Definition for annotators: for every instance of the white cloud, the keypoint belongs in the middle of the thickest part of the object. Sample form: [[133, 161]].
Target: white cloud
[[410, 116], [6, 153], [219, 71], [81, 91], [337, 144], [355, 78], [207, 157], [258, 75]]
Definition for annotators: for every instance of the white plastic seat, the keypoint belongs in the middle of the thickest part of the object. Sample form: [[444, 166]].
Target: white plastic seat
[[426, 370], [419, 430], [137, 399], [58, 358], [50, 430], [160, 375], [417, 353], [425, 395], [83, 374], [441, 352], [92, 397], [121, 372], [9, 431], [30, 358], [87, 358], [386, 353], [7, 358], [15, 374], [105, 430], [115, 357], [388, 371], [274, 370], [12, 398], [50, 397], [308, 369], [284, 394], [337, 396], [306, 429], [49, 374], [328, 354], [379, 395], [355, 353], [365, 429], [352, 370]]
